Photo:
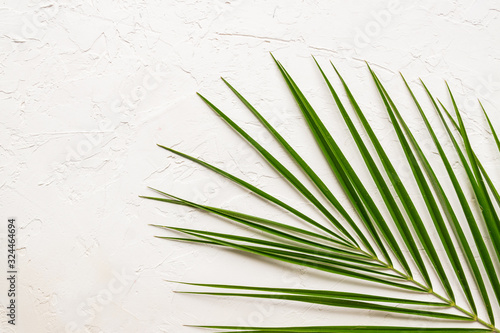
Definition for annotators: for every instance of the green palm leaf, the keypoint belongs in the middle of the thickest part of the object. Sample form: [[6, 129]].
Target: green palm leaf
[[344, 329], [367, 246]]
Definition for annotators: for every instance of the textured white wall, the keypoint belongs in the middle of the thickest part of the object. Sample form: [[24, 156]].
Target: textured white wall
[[88, 88]]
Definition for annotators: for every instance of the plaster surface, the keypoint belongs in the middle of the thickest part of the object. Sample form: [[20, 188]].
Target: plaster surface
[[88, 88]]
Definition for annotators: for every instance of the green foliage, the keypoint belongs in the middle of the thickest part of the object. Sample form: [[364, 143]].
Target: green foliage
[[363, 245]]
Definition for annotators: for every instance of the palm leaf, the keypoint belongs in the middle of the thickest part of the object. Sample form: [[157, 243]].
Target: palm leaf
[[452, 217], [364, 246], [343, 329]]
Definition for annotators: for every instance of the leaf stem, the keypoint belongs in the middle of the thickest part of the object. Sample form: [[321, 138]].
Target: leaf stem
[[429, 290]]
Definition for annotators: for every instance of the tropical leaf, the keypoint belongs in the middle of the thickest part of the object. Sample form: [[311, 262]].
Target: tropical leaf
[[366, 245]]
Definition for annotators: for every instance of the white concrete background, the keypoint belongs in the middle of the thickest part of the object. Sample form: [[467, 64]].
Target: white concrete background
[[88, 88]]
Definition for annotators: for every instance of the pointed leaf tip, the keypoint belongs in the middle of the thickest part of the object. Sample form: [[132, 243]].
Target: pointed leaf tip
[[331, 62]]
